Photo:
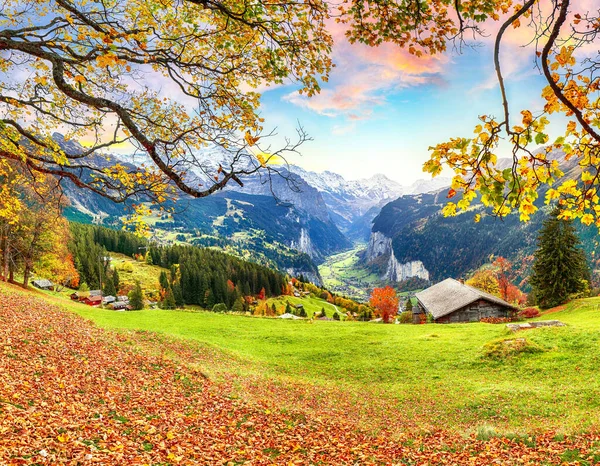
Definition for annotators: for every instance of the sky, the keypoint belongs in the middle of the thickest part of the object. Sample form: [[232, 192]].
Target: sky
[[383, 108]]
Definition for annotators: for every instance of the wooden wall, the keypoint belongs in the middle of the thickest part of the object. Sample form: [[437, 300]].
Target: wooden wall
[[476, 311]]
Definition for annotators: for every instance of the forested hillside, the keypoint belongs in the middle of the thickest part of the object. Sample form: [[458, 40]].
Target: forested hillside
[[199, 275]]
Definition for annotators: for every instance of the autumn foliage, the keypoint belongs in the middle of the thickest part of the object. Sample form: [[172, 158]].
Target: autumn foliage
[[72, 393], [385, 302]]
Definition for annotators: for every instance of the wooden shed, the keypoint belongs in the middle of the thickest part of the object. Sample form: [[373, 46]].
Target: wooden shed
[[452, 301], [43, 284]]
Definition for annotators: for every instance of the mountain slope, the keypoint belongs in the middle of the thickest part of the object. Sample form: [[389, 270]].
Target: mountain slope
[[410, 237]]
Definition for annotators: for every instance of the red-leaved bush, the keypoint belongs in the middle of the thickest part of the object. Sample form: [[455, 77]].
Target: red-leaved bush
[[529, 313]]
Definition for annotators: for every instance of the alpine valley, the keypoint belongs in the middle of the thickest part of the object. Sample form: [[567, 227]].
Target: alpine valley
[[349, 235]]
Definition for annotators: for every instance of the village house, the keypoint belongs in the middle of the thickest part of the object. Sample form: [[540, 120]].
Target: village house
[[108, 299], [120, 306], [92, 300], [452, 301], [43, 284]]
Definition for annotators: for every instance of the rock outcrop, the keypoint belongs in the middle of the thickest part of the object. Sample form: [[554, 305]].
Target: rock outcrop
[[380, 247]]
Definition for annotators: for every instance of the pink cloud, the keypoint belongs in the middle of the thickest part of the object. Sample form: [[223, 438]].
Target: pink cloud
[[364, 76]]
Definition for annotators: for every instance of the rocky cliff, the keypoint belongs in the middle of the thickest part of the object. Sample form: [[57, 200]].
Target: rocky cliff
[[380, 251]]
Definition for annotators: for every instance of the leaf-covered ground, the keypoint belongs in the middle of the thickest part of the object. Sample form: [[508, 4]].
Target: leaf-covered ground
[[71, 393]]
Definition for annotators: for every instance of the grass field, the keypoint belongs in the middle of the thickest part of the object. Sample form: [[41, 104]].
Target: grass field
[[435, 375], [239, 390]]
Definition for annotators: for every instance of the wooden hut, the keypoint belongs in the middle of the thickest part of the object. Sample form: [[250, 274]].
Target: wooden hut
[[43, 284], [452, 301], [92, 300]]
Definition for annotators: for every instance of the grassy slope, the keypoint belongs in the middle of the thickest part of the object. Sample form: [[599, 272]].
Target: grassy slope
[[436, 374], [71, 393]]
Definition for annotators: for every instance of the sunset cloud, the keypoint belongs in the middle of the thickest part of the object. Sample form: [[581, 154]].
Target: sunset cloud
[[364, 76]]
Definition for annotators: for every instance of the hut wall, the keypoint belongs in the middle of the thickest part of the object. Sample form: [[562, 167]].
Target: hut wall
[[476, 311]]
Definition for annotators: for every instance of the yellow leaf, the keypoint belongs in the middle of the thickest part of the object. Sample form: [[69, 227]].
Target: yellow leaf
[[250, 140], [587, 219]]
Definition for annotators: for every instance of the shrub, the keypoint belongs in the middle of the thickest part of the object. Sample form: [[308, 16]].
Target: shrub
[[507, 348], [126, 267], [220, 307], [406, 317], [529, 313]]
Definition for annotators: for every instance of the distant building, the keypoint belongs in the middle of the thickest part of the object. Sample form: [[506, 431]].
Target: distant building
[[452, 301], [108, 299], [119, 306], [43, 284], [92, 300]]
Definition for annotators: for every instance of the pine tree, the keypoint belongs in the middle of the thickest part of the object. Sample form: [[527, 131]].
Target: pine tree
[[178, 295], [109, 287], [149, 260], [116, 280], [136, 297], [336, 316], [238, 306], [288, 308], [560, 268], [169, 301], [163, 280]]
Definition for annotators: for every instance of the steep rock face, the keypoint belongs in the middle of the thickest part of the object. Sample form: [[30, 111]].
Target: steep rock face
[[380, 247], [304, 244]]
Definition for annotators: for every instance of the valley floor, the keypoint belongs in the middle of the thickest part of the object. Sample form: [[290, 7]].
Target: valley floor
[[165, 387]]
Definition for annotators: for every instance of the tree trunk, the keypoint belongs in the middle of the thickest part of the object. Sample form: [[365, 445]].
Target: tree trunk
[[6, 257], [26, 274]]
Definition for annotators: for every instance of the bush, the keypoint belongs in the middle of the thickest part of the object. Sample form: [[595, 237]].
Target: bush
[[529, 313], [126, 267], [220, 307], [504, 349], [406, 317]]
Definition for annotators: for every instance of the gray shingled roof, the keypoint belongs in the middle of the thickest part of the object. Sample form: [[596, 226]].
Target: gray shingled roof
[[42, 283], [450, 295]]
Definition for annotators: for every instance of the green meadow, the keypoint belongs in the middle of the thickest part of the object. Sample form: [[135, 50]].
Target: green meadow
[[460, 376]]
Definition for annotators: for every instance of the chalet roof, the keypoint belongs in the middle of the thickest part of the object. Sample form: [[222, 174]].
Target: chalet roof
[[450, 295], [42, 283], [95, 292], [94, 298]]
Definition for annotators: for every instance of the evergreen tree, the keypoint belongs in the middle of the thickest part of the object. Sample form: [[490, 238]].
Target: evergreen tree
[[303, 312], [274, 308], [149, 260], [288, 308], [169, 301], [136, 297], [163, 280], [409, 305], [209, 299], [238, 306], [560, 269], [336, 316], [116, 280], [109, 287], [178, 295]]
